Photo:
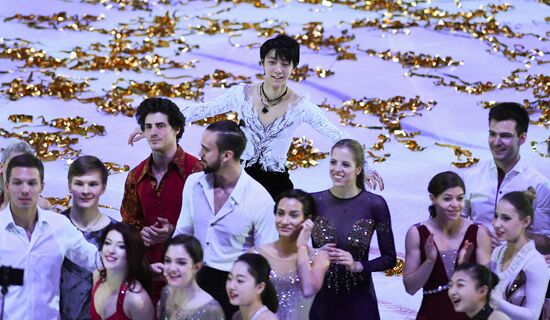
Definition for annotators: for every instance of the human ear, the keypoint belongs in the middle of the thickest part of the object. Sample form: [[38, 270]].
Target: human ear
[[260, 287]]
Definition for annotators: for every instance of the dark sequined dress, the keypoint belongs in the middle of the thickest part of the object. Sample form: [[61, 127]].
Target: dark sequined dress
[[351, 223]]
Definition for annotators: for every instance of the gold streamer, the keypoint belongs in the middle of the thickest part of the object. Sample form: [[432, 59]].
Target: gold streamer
[[398, 270], [302, 154]]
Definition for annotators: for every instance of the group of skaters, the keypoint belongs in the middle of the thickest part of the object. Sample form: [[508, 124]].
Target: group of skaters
[[226, 235]]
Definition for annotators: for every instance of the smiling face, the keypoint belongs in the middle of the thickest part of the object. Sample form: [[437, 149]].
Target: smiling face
[[289, 217], [241, 286], [87, 189], [159, 133], [179, 268], [449, 204], [277, 71], [343, 168], [24, 188], [508, 223], [465, 295], [504, 141], [113, 251]]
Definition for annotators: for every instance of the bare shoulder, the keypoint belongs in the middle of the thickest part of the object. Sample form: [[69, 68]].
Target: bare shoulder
[[498, 315], [138, 302], [412, 236]]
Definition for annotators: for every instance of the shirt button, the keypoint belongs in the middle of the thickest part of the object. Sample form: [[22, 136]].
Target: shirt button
[[208, 243]]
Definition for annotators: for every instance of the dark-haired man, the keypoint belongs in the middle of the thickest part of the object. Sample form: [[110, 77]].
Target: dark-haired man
[[507, 172], [227, 210], [37, 241], [152, 193]]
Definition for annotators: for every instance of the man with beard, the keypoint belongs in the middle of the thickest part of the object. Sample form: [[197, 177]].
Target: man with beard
[[152, 193], [227, 210], [507, 172]]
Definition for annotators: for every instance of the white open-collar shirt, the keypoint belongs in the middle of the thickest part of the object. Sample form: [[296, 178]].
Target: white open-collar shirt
[[54, 237], [482, 194], [246, 219]]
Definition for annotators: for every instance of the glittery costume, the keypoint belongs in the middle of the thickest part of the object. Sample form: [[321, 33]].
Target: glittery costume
[[436, 301], [350, 223], [520, 291], [119, 313], [209, 311], [284, 276], [269, 145]]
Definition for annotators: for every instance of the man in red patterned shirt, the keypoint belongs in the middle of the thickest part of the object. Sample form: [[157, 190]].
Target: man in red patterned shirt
[[153, 190]]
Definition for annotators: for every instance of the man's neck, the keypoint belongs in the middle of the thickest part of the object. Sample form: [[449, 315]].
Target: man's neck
[[161, 159], [84, 216], [508, 165], [228, 176], [25, 218]]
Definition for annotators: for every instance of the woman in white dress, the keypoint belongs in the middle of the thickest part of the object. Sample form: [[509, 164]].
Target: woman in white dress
[[520, 267]]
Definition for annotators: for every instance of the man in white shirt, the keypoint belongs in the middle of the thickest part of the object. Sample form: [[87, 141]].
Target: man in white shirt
[[37, 241], [507, 172], [225, 208]]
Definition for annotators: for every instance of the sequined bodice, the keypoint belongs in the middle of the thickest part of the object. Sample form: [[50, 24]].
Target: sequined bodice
[[350, 224], [289, 293], [284, 276]]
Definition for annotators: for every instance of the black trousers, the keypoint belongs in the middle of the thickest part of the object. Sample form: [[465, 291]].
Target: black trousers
[[213, 281], [274, 182]]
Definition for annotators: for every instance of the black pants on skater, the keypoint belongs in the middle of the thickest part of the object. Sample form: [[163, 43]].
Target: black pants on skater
[[274, 182]]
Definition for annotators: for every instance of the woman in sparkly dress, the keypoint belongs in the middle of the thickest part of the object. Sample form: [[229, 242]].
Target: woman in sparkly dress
[[436, 246], [347, 216], [182, 298], [297, 270]]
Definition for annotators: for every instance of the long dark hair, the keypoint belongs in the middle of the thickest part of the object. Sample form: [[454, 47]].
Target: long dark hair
[[358, 156], [481, 275], [138, 266], [306, 199], [259, 269], [441, 182]]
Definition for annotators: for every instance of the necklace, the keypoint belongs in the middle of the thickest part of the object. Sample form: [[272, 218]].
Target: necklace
[[180, 308], [270, 102], [89, 227]]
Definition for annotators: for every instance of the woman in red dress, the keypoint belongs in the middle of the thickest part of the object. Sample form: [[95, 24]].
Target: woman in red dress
[[436, 246]]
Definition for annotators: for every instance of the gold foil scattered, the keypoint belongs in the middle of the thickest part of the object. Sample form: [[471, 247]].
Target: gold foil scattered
[[51, 146], [302, 154], [398, 270], [58, 21], [59, 86], [225, 116], [116, 168], [459, 153], [314, 39], [145, 5], [410, 59], [265, 28], [304, 72], [59, 204]]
